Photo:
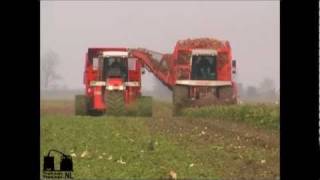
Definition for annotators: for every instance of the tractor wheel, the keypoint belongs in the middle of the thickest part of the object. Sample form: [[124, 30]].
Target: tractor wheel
[[180, 98], [115, 103], [226, 95], [81, 105]]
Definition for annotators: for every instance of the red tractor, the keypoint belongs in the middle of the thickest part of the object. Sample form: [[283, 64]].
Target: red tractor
[[199, 71], [112, 82]]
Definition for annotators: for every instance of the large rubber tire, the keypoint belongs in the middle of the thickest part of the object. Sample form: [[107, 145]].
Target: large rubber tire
[[226, 95], [180, 98], [81, 105], [115, 103]]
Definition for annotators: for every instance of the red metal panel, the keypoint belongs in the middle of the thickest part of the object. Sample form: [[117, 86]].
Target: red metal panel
[[135, 75], [224, 64], [98, 98], [115, 81]]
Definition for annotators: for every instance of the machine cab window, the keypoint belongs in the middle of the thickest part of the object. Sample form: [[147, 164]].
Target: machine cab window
[[115, 67], [203, 67]]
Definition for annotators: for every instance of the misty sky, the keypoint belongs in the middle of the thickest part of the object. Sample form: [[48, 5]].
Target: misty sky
[[252, 28]]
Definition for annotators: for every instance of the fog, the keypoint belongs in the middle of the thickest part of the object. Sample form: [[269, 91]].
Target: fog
[[69, 28]]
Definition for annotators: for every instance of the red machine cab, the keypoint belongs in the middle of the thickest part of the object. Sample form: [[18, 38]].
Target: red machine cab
[[112, 81]]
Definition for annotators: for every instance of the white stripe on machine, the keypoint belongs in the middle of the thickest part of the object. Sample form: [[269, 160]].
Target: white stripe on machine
[[204, 52], [97, 83], [103, 83], [115, 53], [132, 84], [203, 83]]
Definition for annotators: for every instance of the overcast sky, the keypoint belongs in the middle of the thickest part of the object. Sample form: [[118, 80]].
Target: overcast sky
[[252, 28]]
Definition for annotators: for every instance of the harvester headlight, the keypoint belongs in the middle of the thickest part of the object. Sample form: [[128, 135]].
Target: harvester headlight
[[110, 88], [121, 88]]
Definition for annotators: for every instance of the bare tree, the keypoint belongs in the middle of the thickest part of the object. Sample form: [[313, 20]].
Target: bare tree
[[252, 92], [267, 88], [48, 67], [241, 90], [266, 85]]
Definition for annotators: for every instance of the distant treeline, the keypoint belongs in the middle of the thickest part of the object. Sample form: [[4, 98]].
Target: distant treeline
[[60, 93], [265, 92]]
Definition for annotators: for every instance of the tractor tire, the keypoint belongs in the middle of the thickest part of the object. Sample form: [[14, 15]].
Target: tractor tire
[[226, 95], [180, 98], [81, 105], [115, 103]]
